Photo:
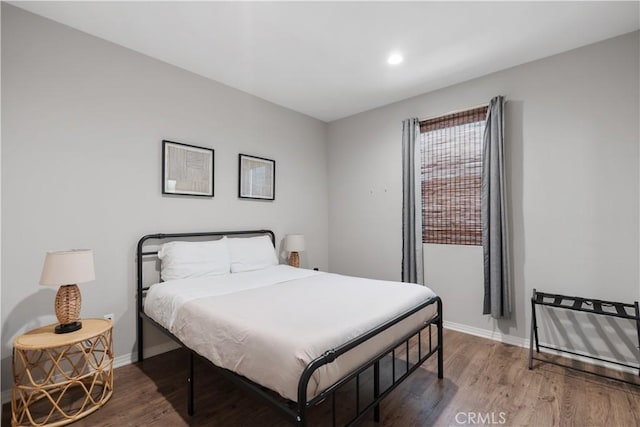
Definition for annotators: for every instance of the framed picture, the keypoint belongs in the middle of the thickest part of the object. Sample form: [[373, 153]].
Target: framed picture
[[186, 169], [257, 178]]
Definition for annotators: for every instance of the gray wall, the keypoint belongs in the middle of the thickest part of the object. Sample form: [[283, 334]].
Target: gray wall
[[572, 146], [82, 124]]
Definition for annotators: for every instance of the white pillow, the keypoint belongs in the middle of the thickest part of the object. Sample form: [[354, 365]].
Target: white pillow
[[251, 253], [183, 260]]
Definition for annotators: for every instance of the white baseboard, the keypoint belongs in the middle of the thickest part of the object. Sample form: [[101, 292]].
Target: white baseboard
[[119, 361], [127, 359], [485, 333], [524, 342]]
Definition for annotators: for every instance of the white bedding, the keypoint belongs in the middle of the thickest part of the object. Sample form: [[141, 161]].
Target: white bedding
[[269, 324]]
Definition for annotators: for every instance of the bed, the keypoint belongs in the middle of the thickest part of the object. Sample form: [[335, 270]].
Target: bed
[[292, 336]]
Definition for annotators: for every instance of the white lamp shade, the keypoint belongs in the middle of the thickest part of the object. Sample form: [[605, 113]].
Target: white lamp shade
[[68, 267], [294, 243]]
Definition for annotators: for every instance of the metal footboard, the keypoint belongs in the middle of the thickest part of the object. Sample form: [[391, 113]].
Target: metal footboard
[[378, 395]]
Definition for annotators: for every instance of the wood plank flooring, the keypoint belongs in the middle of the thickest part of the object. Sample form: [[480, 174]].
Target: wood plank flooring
[[486, 383]]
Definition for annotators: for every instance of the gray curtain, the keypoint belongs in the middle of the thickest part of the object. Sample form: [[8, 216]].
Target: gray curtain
[[497, 283], [411, 203]]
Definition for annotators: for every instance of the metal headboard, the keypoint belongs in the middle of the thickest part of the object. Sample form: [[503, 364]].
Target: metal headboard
[[140, 254]]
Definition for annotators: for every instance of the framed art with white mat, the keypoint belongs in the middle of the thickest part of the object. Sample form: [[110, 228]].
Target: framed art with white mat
[[257, 178], [187, 169]]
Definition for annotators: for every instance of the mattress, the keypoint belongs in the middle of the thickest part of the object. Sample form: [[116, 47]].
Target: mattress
[[268, 325]]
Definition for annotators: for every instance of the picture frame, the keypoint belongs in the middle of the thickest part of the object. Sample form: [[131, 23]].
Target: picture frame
[[256, 178], [187, 170]]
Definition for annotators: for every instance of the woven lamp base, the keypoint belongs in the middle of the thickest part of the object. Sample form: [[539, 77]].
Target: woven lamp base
[[67, 305], [294, 259]]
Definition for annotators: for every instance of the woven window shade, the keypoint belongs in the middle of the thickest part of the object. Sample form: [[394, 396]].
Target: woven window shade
[[451, 177]]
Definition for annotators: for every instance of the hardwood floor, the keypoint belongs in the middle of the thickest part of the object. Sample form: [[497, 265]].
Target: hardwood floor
[[485, 383]]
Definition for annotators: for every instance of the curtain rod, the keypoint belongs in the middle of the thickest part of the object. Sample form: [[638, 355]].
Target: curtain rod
[[453, 112]]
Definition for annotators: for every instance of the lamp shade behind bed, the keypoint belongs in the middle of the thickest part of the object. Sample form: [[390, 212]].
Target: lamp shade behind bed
[[294, 243]]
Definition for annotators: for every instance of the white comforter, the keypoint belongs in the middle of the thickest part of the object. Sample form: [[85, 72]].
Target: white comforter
[[268, 325]]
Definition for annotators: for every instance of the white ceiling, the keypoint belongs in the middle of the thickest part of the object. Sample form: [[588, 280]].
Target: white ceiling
[[328, 59]]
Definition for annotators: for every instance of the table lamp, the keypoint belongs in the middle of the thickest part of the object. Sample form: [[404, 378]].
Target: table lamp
[[294, 243], [66, 269]]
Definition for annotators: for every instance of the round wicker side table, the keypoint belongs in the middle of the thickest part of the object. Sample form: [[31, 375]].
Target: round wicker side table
[[60, 378]]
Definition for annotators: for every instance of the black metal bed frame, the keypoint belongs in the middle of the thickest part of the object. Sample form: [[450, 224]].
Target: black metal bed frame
[[586, 305], [297, 412]]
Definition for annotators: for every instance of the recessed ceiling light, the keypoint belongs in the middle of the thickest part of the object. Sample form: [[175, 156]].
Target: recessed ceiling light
[[394, 59]]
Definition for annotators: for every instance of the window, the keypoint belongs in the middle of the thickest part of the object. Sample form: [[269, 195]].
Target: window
[[451, 177]]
